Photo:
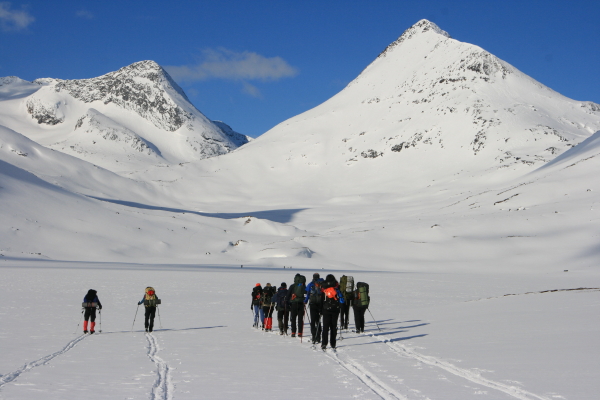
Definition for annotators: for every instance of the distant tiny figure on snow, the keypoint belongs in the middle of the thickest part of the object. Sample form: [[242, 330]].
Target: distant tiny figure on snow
[[150, 301], [90, 303]]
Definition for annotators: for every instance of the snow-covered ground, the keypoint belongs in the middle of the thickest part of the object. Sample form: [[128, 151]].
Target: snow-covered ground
[[444, 335]]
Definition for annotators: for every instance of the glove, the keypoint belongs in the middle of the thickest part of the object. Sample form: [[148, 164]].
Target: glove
[[100, 307], [140, 302]]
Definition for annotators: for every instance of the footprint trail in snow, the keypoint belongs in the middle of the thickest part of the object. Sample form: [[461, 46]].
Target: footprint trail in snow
[[163, 388], [366, 377], [472, 376], [11, 376]]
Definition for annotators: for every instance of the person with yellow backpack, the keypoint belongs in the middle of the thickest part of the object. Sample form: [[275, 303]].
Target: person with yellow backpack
[[150, 301]]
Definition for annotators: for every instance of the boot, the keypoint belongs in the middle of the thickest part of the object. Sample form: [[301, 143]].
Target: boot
[[85, 323], [92, 326]]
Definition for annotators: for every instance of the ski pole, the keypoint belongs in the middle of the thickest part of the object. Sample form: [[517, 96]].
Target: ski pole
[[100, 315], [136, 311], [159, 321], [82, 311], [374, 320], [302, 327]]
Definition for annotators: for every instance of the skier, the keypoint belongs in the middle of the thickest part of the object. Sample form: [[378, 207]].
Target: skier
[[257, 292], [267, 307], [332, 299], [347, 289], [150, 301], [360, 304], [296, 298], [315, 307], [90, 302], [283, 308]]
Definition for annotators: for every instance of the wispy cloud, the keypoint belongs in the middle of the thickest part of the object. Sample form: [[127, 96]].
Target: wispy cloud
[[14, 20], [226, 64], [251, 90], [85, 14]]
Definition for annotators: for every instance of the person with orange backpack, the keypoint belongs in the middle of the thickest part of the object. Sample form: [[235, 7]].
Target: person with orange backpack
[[150, 302], [332, 301]]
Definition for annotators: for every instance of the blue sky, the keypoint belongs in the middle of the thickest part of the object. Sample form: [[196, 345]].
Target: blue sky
[[254, 64]]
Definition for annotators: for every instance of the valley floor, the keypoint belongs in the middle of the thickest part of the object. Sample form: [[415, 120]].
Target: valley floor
[[434, 335]]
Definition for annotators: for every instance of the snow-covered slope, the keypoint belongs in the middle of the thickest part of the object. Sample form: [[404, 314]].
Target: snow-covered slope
[[429, 108], [123, 121]]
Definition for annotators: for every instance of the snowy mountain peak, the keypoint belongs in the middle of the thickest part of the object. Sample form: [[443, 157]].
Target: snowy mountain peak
[[420, 27]]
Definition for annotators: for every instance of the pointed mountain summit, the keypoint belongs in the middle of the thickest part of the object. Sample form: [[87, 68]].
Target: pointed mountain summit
[[124, 120], [427, 108]]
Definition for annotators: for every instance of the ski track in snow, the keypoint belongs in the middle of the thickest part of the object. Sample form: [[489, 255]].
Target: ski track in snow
[[11, 376], [474, 377], [163, 388], [366, 377]]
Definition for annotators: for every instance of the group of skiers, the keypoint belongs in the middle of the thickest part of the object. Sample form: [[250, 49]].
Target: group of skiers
[[326, 299], [91, 302]]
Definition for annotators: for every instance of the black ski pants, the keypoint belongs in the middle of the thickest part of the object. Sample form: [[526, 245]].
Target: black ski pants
[[268, 311], [297, 314], [149, 318], [315, 321], [359, 318], [283, 315], [344, 315], [330, 319], [90, 314]]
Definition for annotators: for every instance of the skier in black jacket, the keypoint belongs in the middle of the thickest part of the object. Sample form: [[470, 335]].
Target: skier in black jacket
[[90, 301], [283, 308]]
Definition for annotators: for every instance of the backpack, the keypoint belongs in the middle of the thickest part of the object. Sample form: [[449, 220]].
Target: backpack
[[331, 302], [150, 300], [256, 295], [315, 293], [347, 287], [299, 289], [281, 303], [268, 293], [361, 295]]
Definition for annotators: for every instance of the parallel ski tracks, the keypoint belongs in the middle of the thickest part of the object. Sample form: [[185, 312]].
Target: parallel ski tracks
[[11, 376], [472, 376], [163, 387], [366, 377]]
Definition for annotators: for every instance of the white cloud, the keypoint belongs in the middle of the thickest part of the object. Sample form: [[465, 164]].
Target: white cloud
[[85, 14], [230, 65], [14, 20]]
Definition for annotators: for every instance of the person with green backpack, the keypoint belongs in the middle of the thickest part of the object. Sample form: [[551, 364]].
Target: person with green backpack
[[360, 304], [150, 301], [268, 293], [295, 297], [347, 289]]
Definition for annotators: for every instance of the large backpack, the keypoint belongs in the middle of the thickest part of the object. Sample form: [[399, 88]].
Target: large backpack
[[256, 295], [281, 302], [150, 300], [331, 301], [361, 295], [315, 293], [299, 288], [268, 293], [347, 287]]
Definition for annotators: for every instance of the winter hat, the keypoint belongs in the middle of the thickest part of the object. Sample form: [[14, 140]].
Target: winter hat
[[316, 276], [330, 278], [283, 285], [268, 284], [258, 284]]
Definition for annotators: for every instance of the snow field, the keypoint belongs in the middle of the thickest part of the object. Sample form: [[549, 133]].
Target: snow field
[[444, 336]]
